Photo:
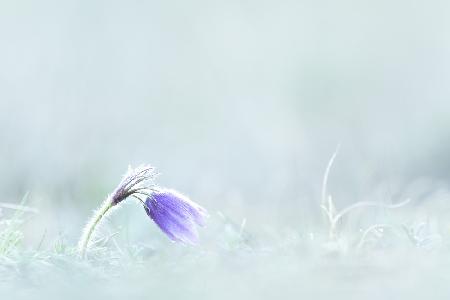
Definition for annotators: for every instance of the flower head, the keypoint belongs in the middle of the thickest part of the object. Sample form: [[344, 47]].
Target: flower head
[[176, 215], [138, 181]]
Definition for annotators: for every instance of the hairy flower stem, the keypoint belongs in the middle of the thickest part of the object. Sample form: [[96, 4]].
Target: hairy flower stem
[[137, 182], [92, 224]]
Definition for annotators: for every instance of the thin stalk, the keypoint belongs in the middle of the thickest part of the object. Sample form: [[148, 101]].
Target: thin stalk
[[327, 174], [92, 224], [136, 182]]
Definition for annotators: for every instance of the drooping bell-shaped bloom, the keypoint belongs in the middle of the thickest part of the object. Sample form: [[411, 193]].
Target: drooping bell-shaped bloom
[[176, 215]]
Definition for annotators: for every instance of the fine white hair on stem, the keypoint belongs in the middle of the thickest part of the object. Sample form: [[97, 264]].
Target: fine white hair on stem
[[137, 181], [91, 225]]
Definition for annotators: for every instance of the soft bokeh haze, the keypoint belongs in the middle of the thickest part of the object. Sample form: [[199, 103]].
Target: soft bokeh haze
[[239, 104]]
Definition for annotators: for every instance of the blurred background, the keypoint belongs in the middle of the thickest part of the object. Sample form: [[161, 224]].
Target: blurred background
[[239, 104]]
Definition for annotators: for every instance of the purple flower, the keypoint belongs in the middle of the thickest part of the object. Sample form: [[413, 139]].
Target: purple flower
[[176, 215]]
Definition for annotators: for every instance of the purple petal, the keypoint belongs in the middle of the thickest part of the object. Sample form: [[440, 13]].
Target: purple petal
[[176, 215], [181, 205]]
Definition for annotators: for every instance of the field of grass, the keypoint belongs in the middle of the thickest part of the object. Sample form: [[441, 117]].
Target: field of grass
[[402, 256]]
